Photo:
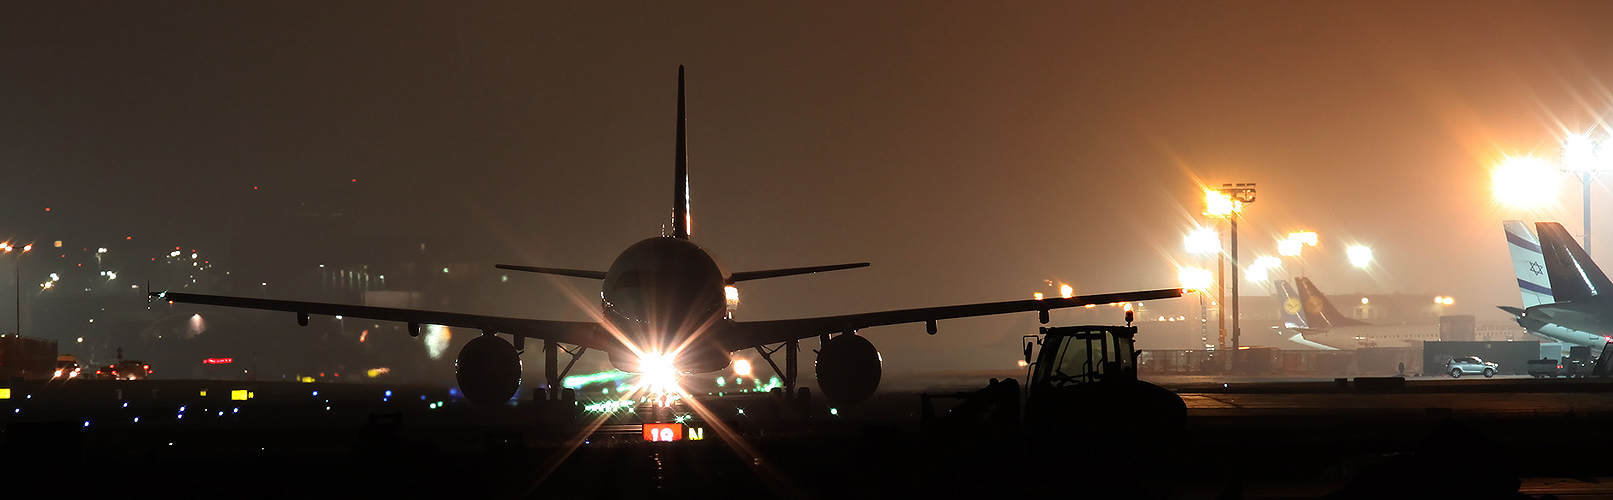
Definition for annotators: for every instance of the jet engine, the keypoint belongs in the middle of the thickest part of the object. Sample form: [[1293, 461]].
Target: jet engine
[[489, 370], [848, 369]]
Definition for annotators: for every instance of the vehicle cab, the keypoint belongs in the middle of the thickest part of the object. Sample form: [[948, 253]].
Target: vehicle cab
[[1083, 354]]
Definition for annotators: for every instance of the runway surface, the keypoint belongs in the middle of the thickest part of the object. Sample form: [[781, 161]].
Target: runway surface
[[1265, 438]]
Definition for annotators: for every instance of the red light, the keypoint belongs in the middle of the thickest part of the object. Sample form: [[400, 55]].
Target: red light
[[663, 432], [211, 361]]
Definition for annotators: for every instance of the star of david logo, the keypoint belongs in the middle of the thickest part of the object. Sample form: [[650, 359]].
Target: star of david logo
[[1534, 267]]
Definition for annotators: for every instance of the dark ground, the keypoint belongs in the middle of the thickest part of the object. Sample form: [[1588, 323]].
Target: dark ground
[[1481, 438]]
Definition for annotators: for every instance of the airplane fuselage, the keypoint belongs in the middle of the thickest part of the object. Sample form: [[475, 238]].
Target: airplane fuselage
[[1356, 337], [665, 296], [1578, 322]]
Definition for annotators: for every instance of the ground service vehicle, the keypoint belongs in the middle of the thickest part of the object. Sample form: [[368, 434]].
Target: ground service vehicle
[[1577, 364], [1085, 412]]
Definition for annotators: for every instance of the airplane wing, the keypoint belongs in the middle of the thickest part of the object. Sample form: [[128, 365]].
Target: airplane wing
[[583, 333], [774, 273], [575, 273], [754, 333]]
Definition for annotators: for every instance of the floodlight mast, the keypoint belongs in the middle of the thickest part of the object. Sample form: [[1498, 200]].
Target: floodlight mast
[[1586, 157], [1242, 193]]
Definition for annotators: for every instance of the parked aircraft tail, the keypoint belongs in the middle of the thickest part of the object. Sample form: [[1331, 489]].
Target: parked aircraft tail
[[1317, 307], [1289, 307], [1528, 263], [1573, 275]]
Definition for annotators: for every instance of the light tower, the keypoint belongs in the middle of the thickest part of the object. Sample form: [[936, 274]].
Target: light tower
[[1228, 203]]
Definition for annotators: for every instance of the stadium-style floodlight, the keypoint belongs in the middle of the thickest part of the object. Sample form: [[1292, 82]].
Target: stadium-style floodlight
[[1219, 204], [1524, 182], [1587, 157], [1289, 247], [1196, 279], [1360, 255], [1295, 244], [1306, 237], [1202, 241], [1260, 269]]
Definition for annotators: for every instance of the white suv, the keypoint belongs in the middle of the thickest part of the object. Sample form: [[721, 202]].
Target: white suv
[[1470, 364]]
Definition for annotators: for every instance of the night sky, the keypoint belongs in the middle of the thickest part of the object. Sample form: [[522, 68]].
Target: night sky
[[970, 151]]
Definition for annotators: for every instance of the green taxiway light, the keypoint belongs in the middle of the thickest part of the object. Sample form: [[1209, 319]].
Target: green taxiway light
[[577, 381]]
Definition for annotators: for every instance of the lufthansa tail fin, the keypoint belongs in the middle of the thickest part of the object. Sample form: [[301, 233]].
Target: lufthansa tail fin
[[680, 181], [1293, 313], [1317, 306], [1528, 264], [1573, 275]]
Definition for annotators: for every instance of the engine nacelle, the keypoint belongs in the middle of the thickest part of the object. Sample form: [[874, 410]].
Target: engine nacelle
[[848, 369], [489, 370]]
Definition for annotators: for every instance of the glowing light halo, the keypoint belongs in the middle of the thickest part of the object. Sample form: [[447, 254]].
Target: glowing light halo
[[1524, 182], [766, 472]]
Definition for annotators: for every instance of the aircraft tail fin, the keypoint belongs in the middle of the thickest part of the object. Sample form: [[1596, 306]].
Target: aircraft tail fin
[[1573, 275], [1317, 305], [680, 181], [1292, 311], [774, 273], [1528, 263]]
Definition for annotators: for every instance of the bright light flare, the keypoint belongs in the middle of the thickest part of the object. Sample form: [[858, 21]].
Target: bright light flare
[[1218, 204], [1202, 241], [1259, 269], [742, 367], [1582, 153], [1194, 278], [436, 339], [1525, 182], [657, 373], [1360, 255], [1066, 291], [1306, 237], [1289, 247]]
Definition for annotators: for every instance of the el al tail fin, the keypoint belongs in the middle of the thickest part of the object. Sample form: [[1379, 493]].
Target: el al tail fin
[[1573, 275], [680, 182], [1528, 263], [1317, 305], [1293, 313]]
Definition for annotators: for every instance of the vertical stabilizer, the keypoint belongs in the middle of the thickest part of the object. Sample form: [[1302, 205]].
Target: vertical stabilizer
[[1318, 308], [680, 183], [1573, 275], [1528, 264], [1292, 312]]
